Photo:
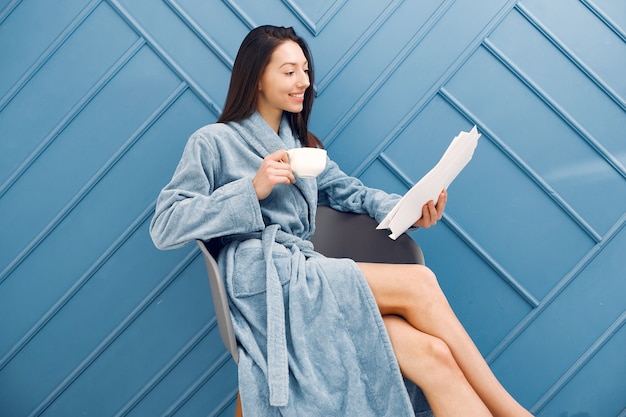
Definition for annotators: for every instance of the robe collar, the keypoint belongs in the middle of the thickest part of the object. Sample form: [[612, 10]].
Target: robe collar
[[262, 138]]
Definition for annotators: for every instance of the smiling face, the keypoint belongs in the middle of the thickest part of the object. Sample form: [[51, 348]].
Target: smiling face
[[283, 83]]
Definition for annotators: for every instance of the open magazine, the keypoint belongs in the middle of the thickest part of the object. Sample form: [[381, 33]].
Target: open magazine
[[409, 209]]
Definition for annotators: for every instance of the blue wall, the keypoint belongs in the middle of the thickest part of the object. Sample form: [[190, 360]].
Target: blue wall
[[97, 99]]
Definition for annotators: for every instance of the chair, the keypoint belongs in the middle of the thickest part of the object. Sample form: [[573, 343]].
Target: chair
[[337, 235], [210, 250]]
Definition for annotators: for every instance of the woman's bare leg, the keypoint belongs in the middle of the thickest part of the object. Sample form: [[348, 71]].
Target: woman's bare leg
[[428, 362], [412, 292]]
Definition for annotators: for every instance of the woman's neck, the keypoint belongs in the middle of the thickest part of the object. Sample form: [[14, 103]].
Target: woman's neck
[[272, 118]]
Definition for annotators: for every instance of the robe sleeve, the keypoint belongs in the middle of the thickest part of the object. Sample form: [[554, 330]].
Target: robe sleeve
[[345, 193], [192, 206]]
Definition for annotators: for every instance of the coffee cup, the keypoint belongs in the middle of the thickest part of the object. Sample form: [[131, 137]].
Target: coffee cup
[[307, 162]]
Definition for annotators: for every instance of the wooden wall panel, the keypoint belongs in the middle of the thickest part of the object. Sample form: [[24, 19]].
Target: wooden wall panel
[[97, 99]]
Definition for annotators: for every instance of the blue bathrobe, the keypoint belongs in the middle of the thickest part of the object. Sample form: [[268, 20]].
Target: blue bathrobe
[[311, 338]]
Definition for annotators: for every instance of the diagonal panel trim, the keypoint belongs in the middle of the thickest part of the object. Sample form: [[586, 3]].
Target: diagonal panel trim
[[557, 290], [210, 103], [469, 241], [4, 13], [357, 46], [543, 184], [45, 56], [490, 260], [92, 182], [606, 19], [124, 324], [315, 27], [33, 331], [382, 78], [396, 170], [241, 15], [152, 383], [173, 409], [562, 113], [221, 407], [65, 121], [571, 55], [208, 41], [578, 365], [419, 106]]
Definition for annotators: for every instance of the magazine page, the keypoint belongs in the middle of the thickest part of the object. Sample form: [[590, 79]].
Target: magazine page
[[409, 209]]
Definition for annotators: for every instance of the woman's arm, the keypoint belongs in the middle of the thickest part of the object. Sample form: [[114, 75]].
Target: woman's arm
[[195, 206], [346, 193]]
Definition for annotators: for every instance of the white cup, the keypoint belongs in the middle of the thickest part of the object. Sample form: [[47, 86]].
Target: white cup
[[307, 162]]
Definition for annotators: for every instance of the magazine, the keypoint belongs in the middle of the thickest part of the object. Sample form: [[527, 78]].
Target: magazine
[[409, 209]]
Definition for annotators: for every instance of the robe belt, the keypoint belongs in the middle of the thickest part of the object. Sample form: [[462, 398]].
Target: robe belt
[[277, 353]]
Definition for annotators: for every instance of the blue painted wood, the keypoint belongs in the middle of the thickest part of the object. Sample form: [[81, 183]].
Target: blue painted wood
[[577, 317], [583, 45], [572, 395], [32, 25], [98, 98]]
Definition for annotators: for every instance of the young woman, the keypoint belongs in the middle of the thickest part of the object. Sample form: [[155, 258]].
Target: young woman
[[317, 336]]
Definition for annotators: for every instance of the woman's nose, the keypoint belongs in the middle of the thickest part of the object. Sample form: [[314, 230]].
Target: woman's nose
[[303, 79]]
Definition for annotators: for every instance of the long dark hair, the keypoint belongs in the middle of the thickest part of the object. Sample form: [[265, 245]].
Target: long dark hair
[[253, 56]]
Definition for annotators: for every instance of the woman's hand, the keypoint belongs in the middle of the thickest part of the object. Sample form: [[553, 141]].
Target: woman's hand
[[274, 169], [431, 213]]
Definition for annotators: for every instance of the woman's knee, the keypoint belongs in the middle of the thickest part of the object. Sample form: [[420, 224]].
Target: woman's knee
[[421, 288], [402, 289], [426, 278], [437, 354]]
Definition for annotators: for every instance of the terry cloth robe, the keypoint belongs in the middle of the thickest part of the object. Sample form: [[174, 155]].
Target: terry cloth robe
[[311, 338]]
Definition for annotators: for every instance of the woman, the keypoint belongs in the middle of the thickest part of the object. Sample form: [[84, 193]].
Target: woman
[[317, 336]]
